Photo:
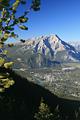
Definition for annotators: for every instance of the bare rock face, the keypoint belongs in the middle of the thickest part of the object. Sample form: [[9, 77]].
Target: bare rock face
[[44, 51], [76, 44]]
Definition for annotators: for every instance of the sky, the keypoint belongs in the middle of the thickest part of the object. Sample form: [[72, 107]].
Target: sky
[[61, 17]]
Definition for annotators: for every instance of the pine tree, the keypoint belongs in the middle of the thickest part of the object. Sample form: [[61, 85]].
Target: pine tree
[[44, 113]]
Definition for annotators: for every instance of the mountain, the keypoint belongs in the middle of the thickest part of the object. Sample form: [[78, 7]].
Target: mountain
[[44, 51], [76, 44]]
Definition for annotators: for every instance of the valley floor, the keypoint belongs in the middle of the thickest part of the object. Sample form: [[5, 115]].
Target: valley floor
[[64, 82]]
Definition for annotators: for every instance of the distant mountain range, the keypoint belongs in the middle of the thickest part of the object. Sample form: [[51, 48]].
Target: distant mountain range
[[76, 44], [43, 51]]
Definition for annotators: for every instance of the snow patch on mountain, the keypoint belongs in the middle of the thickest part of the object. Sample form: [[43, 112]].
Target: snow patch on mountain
[[52, 46]]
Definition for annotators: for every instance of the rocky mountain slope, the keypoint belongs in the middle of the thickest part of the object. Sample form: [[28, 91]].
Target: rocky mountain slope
[[76, 44], [44, 51]]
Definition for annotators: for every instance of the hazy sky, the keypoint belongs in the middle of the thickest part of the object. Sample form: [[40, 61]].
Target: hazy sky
[[61, 17]]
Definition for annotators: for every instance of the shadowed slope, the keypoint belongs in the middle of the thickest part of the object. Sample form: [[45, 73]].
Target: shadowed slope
[[21, 100]]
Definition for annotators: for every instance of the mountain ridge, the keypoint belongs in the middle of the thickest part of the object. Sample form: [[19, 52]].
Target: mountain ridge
[[51, 43], [45, 51], [76, 44]]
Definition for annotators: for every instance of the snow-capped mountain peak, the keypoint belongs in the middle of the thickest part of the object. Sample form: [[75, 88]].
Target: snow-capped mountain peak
[[50, 44], [45, 51], [53, 48]]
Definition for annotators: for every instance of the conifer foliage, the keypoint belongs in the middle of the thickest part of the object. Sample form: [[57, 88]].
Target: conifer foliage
[[44, 112]]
